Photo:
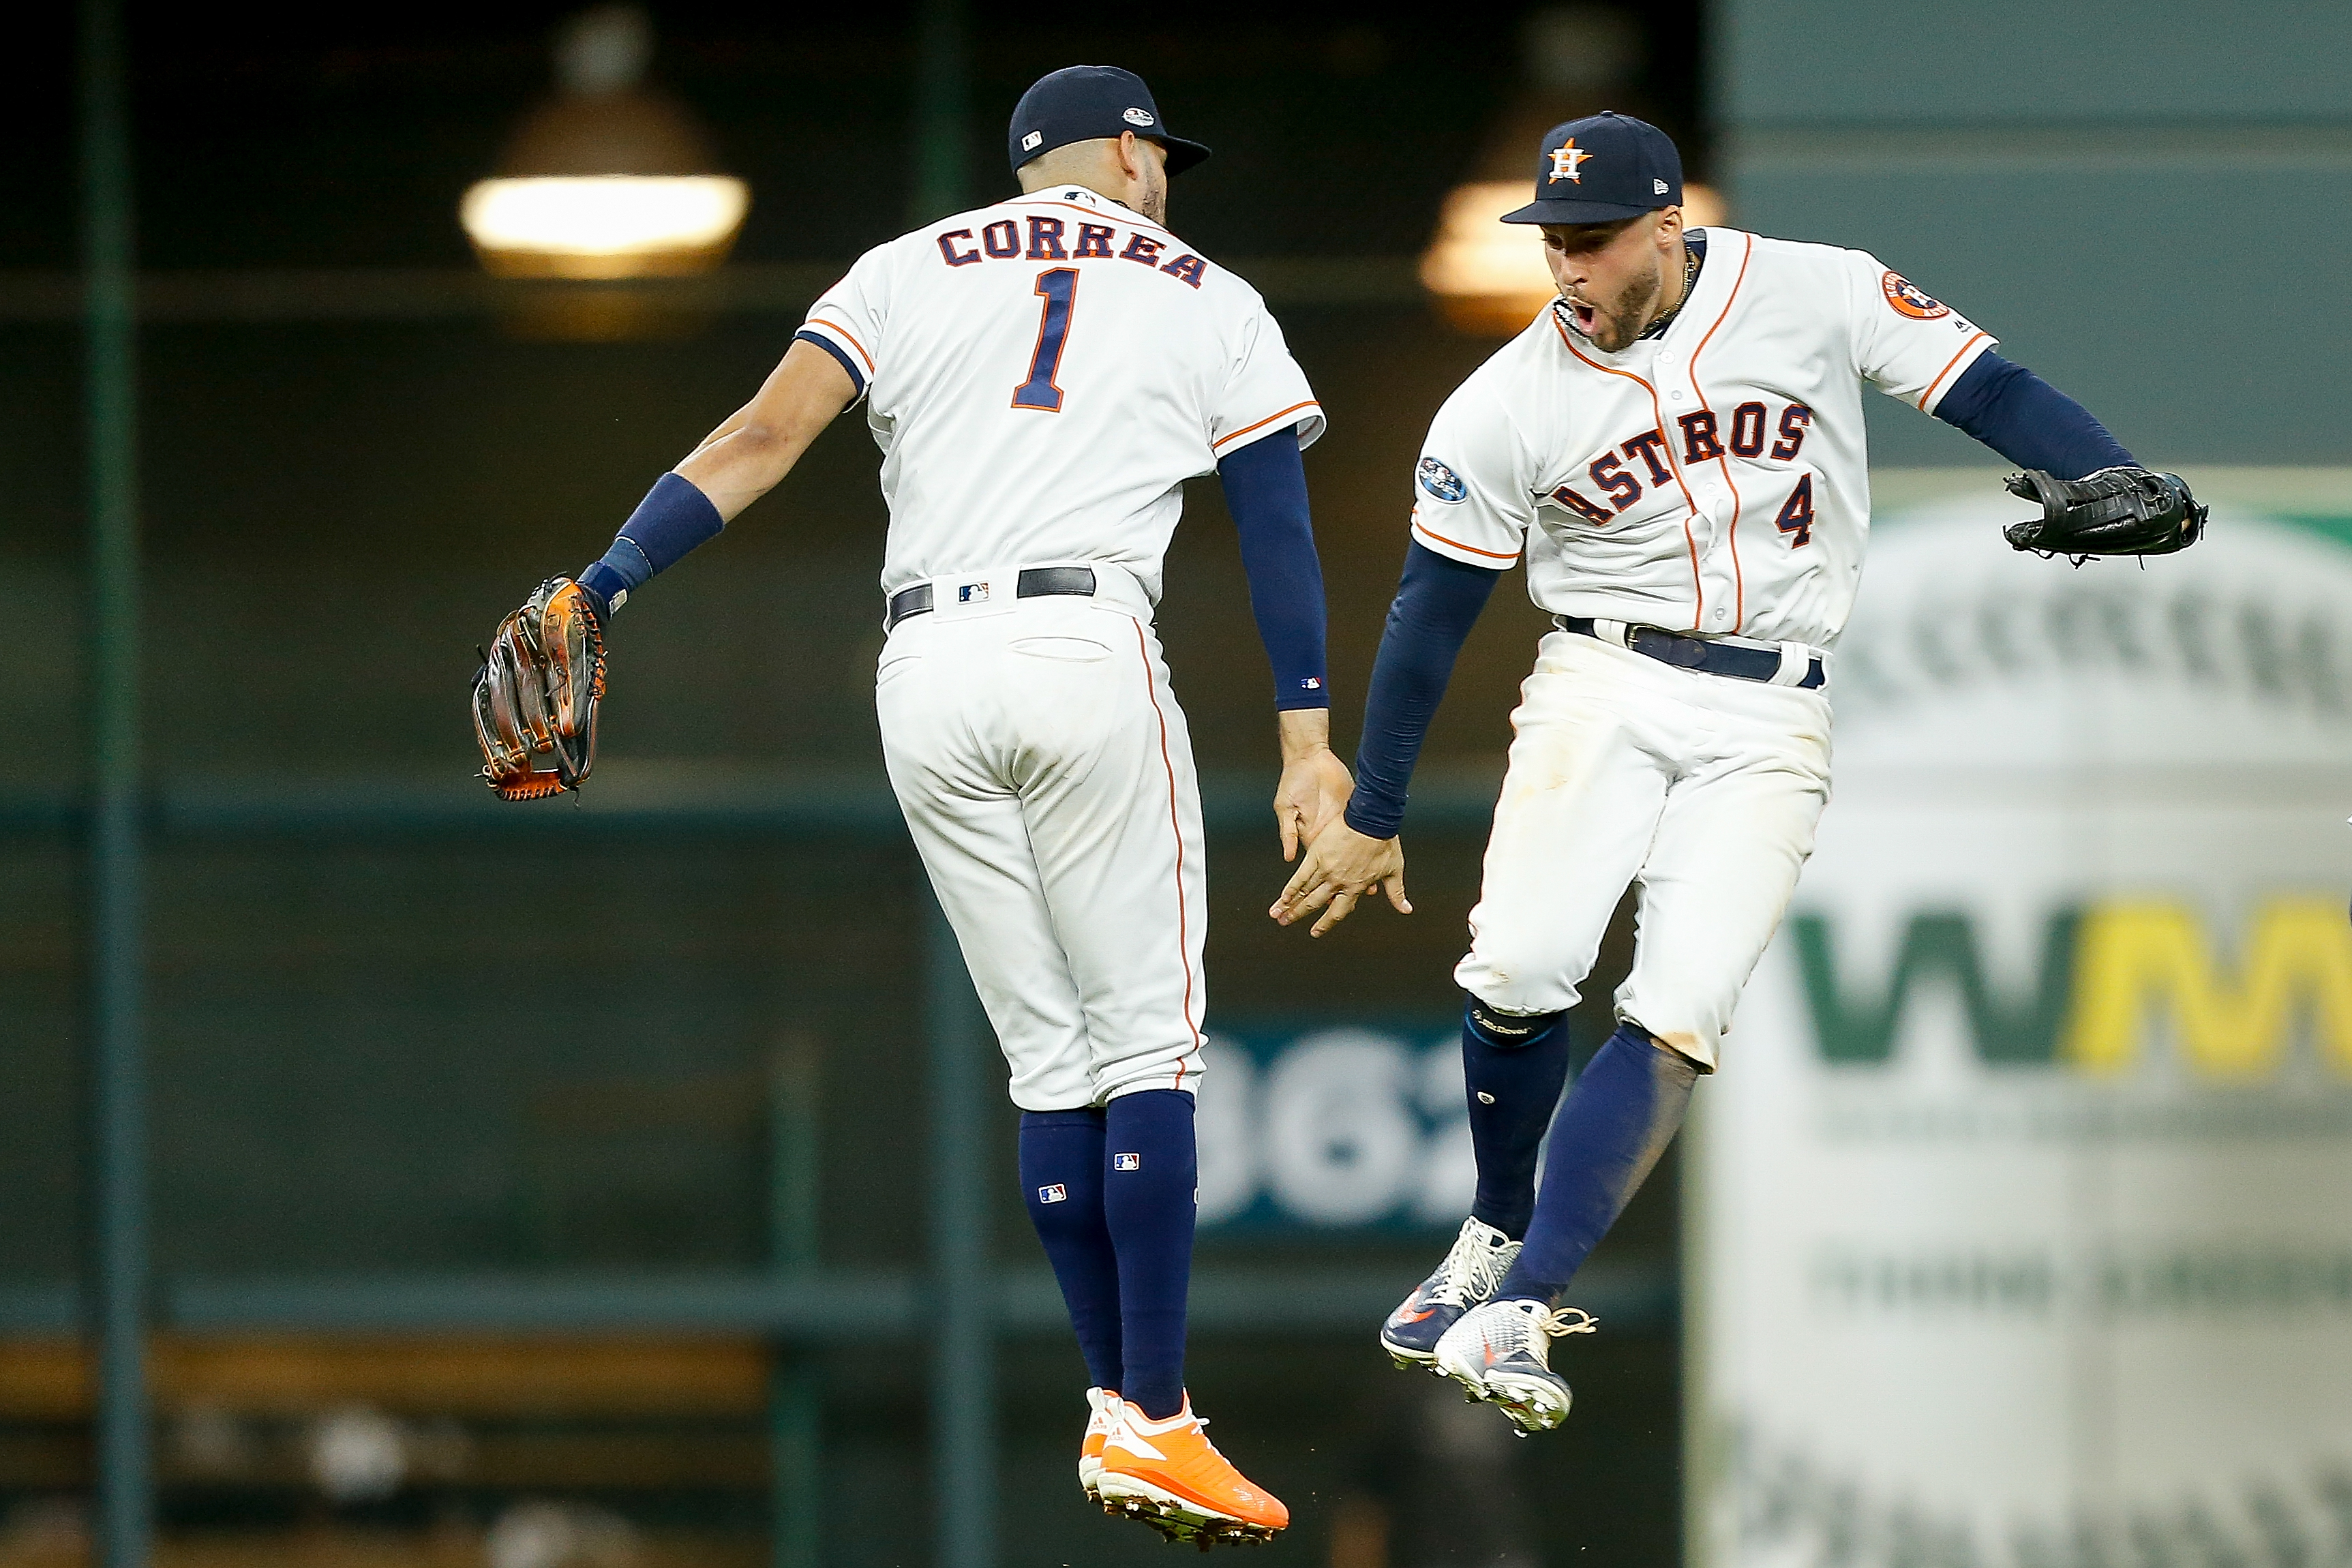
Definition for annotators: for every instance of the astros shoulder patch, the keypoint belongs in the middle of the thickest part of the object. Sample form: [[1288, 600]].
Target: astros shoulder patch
[[1910, 300]]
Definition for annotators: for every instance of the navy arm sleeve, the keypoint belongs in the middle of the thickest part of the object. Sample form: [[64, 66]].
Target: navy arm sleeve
[[1265, 490], [2029, 420], [1438, 601]]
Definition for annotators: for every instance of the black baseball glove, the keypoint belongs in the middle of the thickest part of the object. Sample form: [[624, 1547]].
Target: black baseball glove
[[2115, 511]]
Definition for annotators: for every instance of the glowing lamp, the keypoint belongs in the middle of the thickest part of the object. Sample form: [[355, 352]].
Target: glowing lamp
[[1488, 276], [608, 180], [603, 226]]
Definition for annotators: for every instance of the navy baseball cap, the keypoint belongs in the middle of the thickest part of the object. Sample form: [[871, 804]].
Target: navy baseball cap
[[1086, 103], [1601, 168]]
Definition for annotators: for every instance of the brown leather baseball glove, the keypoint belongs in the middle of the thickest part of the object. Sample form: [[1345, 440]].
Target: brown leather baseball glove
[[535, 696]]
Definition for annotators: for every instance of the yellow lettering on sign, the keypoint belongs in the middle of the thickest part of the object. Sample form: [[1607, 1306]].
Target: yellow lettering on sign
[[2133, 955]]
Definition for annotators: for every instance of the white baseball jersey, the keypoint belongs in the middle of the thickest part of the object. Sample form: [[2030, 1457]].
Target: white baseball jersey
[[1042, 377], [1712, 479]]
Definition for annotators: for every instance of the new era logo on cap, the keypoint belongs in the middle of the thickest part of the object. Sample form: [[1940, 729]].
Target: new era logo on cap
[[1657, 187], [1127, 1162], [1055, 1194]]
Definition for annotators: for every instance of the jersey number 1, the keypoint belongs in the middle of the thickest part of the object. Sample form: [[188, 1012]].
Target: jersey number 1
[[1058, 287]]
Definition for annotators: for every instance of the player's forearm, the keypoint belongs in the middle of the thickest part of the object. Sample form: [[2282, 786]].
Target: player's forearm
[[2029, 420], [1438, 601], [735, 465], [750, 453], [1266, 491], [1302, 732]]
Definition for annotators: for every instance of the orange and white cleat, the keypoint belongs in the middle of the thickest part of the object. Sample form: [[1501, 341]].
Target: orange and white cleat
[[1102, 1413], [1169, 1474]]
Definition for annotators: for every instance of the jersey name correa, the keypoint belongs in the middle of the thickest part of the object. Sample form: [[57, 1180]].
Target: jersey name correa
[[1042, 375], [1712, 479]]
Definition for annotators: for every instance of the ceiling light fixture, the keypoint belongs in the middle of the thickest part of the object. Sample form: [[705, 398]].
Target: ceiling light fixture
[[609, 180]]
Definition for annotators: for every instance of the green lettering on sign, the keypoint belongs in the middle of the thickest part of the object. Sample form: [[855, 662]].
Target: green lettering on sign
[[1860, 1030]]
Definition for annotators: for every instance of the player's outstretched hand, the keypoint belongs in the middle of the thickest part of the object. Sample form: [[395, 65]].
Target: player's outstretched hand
[[1342, 866], [1313, 791], [1315, 784]]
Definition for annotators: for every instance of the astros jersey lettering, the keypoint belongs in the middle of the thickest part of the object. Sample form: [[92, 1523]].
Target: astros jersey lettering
[[1042, 377], [1712, 479]]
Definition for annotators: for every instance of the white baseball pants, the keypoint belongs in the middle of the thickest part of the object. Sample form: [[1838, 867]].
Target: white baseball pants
[[1703, 789], [1046, 774]]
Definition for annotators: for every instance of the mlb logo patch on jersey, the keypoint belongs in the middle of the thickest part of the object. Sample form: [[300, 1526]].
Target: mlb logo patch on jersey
[[1440, 480], [1127, 1162], [971, 593], [1054, 1194], [1910, 300]]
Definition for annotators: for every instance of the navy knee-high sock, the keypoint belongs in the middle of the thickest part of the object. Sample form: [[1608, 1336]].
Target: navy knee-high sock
[[1611, 1128], [1062, 1179], [1150, 1179], [1512, 1072]]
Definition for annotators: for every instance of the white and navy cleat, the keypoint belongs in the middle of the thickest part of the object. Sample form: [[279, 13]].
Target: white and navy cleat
[[1500, 1353], [1474, 1266]]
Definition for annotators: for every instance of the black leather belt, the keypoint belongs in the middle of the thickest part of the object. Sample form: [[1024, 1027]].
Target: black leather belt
[[1698, 653], [1034, 583]]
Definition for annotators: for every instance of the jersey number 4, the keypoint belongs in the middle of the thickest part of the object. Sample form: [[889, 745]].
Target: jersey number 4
[[1058, 287], [1796, 519]]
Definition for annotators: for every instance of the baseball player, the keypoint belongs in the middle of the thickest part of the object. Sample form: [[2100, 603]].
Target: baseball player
[[1675, 446], [1042, 377]]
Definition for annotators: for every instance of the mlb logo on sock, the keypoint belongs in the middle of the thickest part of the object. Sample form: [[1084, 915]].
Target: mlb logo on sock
[[1127, 1162], [1055, 1194]]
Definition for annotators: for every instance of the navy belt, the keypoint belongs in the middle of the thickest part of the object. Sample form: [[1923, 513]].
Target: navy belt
[[1034, 583], [1698, 653]]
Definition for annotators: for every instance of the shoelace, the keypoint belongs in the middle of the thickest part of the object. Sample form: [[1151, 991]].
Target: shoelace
[[1529, 1331], [1471, 1263]]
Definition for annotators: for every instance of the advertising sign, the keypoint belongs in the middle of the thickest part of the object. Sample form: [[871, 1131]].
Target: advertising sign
[[2024, 1226], [1324, 1128]]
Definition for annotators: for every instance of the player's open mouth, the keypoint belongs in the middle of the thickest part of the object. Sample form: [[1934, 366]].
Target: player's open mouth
[[1582, 314]]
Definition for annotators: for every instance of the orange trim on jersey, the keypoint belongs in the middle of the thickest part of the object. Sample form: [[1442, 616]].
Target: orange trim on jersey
[[1269, 419], [1738, 578], [1947, 369], [1184, 917], [843, 333], [1698, 587], [1420, 526]]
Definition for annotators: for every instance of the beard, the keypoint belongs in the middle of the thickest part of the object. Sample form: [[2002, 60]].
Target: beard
[[1152, 200], [1613, 326]]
